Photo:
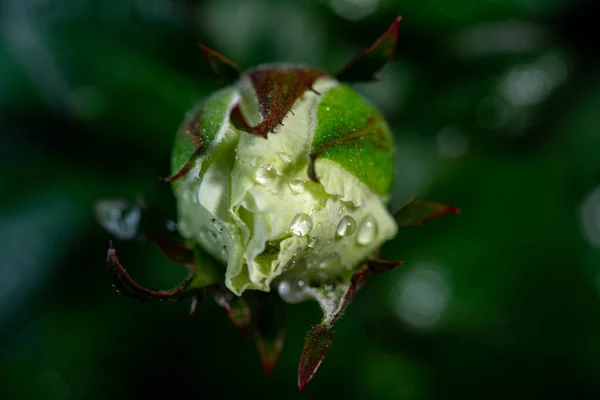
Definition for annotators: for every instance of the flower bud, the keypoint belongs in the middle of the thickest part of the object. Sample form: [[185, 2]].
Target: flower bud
[[291, 185]]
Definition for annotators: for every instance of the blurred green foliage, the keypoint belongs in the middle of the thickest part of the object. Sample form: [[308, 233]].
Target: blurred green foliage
[[495, 109]]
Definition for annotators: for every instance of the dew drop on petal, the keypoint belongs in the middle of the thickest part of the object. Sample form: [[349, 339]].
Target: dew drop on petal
[[301, 225], [298, 186], [332, 261], [346, 227], [266, 174], [366, 231], [286, 158], [312, 242]]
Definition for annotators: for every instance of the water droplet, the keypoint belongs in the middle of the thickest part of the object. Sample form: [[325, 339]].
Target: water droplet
[[346, 227], [184, 228], [217, 225], [312, 242], [258, 161], [292, 292], [224, 252], [298, 186], [171, 225], [285, 157], [332, 261], [366, 231], [301, 225], [341, 210], [266, 174]]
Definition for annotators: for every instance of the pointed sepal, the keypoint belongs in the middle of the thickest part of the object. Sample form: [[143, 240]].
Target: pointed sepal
[[126, 286], [178, 252], [364, 66], [269, 328], [226, 70], [236, 307], [418, 211], [379, 266], [333, 303], [316, 346]]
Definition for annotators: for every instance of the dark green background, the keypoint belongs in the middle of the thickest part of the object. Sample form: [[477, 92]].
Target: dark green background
[[495, 106]]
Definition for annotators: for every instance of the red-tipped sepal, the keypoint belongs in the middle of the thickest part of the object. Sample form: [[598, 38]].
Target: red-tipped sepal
[[179, 253], [379, 266], [269, 328], [316, 346], [126, 286], [418, 211], [364, 66], [319, 338], [224, 68], [236, 307]]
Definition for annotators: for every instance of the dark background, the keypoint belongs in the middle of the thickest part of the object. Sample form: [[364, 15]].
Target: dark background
[[495, 106]]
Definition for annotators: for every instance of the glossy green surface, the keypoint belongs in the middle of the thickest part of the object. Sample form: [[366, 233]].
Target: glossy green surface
[[352, 132]]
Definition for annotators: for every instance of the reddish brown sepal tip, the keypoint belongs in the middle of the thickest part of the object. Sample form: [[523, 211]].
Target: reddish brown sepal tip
[[418, 211], [126, 286], [225, 69], [177, 252], [315, 348], [186, 167], [378, 266], [364, 66], [269, 352], [236, 307]]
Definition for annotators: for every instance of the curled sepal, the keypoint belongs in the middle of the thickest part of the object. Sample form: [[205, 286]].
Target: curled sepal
[[319, 338], [269, 328], [226, 70], [418, 211], [379, 266], [236, 307], [364, 66], [126, 286]]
